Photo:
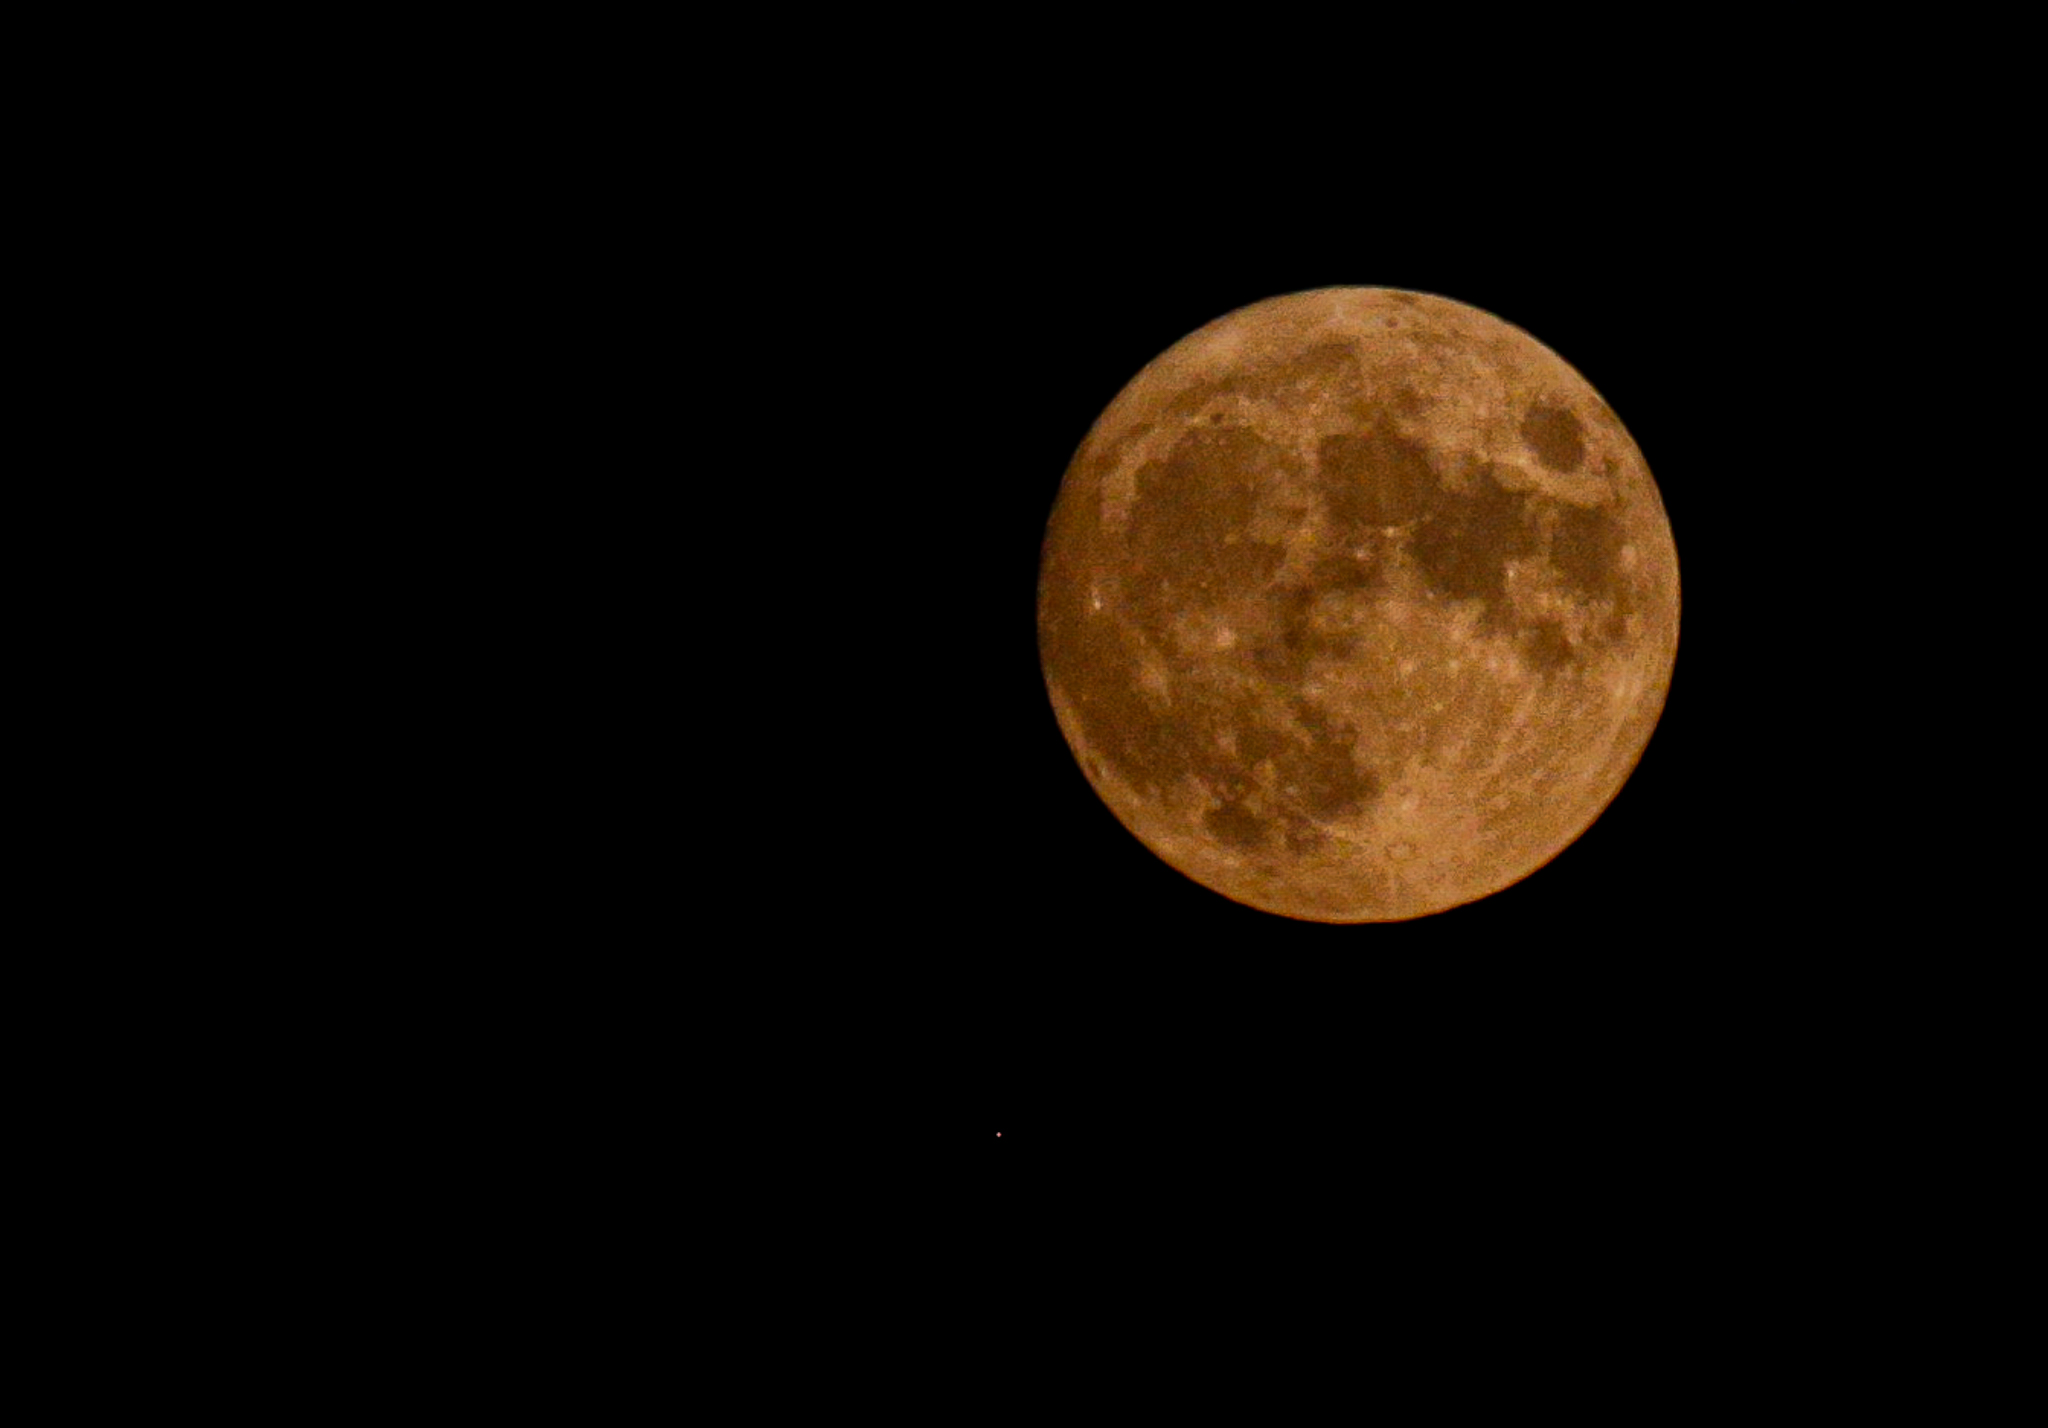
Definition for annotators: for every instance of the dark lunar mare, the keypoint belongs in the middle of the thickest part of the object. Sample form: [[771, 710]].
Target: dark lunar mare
[[1187, 547]]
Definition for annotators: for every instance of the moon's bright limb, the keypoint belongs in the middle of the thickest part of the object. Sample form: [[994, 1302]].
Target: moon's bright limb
[[1358, 604]]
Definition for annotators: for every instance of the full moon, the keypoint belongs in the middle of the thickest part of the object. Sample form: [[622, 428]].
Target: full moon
[[1358, 605]]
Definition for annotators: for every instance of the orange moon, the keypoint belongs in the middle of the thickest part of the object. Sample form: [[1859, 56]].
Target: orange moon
[[1358, 605]]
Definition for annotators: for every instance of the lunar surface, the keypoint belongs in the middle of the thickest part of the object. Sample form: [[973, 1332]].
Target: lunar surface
[[1358, 605]]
